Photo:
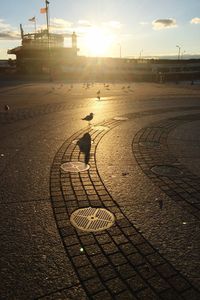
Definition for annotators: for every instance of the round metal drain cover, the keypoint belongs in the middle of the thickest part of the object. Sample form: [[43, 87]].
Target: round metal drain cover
[[120, 119], [99, 128], [92, 219], [150, 144], [75, 142], [166, 170], [74, 166]]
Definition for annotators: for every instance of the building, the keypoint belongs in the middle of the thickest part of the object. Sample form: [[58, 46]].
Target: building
[[43, 52]]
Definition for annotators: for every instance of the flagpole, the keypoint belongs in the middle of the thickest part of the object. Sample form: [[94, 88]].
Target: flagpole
[[35, 26]]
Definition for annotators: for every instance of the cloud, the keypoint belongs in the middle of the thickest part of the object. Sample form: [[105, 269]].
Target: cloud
[[60, 24], [164, 23], [113, 24], [84, 23], [7, 32], [195, 21], [143, 23]]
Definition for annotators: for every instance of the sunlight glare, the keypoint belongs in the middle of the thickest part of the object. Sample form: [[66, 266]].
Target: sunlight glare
[[98, 41]]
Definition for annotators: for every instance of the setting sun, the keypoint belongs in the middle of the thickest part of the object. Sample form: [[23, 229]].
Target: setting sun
[[97, 41]]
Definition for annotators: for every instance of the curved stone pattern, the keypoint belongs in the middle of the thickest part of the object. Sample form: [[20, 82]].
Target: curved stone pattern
[[182, 185], [117, 263]]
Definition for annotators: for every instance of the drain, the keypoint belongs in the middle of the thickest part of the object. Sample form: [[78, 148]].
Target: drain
[[164, 170], [74, 166], [92, 219], [120, 118], [100, 128], [150, 144]]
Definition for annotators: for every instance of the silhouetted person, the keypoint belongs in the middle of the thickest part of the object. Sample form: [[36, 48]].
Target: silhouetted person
[[85, 145]]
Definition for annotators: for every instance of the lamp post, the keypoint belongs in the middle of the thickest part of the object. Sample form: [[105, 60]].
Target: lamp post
[[179, 51]]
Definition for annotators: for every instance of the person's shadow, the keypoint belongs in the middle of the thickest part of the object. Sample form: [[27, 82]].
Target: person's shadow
[[85, 145]]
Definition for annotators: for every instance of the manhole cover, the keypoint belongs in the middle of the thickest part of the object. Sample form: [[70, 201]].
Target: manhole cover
[[75, 166], [166, 170], [92, 219], [150, 144], [99, 128], [75, 142], [120, 119]]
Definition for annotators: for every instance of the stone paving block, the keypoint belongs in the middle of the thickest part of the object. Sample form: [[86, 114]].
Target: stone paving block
[[117, 259], [80, 260], [179, 283], [136, 259], [191, 294], [115, 285], [86, 272], [99, 260], [136, 283], [148, 294], [105, 295], [94, 285], [166, 270], [107, 272], [158, 283], [126, 271]]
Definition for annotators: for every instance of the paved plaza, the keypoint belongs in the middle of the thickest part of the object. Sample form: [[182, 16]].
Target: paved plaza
[[144, 169]]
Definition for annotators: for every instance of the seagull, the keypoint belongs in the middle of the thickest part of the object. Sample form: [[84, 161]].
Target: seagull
[[88, 118], [6, 107]]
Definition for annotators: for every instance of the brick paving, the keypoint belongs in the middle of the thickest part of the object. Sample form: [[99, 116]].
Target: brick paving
[[118, 263]]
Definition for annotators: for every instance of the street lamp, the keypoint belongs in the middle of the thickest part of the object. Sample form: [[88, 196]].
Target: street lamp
[[179, 51]]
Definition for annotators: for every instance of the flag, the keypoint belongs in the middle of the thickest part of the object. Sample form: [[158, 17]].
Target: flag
[[32, 19], [43, 10]]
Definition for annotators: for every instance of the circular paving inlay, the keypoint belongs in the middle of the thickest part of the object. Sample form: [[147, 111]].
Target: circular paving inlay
[[92, 219], [100, 128], [74, 166], [120, 118], [165, 170]]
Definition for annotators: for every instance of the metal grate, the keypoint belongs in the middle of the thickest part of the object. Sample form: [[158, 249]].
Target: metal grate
[[74, 166], [166, 170], [92, 219]]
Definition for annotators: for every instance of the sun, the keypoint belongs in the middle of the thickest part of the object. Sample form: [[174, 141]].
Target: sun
[[97, 41]]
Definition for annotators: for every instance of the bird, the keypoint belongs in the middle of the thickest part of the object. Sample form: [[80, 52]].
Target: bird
[[98, 92], [6, 107], [88, 118]]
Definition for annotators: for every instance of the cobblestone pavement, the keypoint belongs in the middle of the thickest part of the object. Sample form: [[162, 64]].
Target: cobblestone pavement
[[119, 262]]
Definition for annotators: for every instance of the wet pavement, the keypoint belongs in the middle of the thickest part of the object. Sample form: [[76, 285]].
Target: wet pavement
[[143, 168]]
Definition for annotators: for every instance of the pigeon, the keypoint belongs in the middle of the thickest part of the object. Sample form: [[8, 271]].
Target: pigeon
[[88, 118], [6, 107]]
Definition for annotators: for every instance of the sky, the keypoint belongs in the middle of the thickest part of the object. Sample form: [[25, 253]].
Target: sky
[[114, 28]]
